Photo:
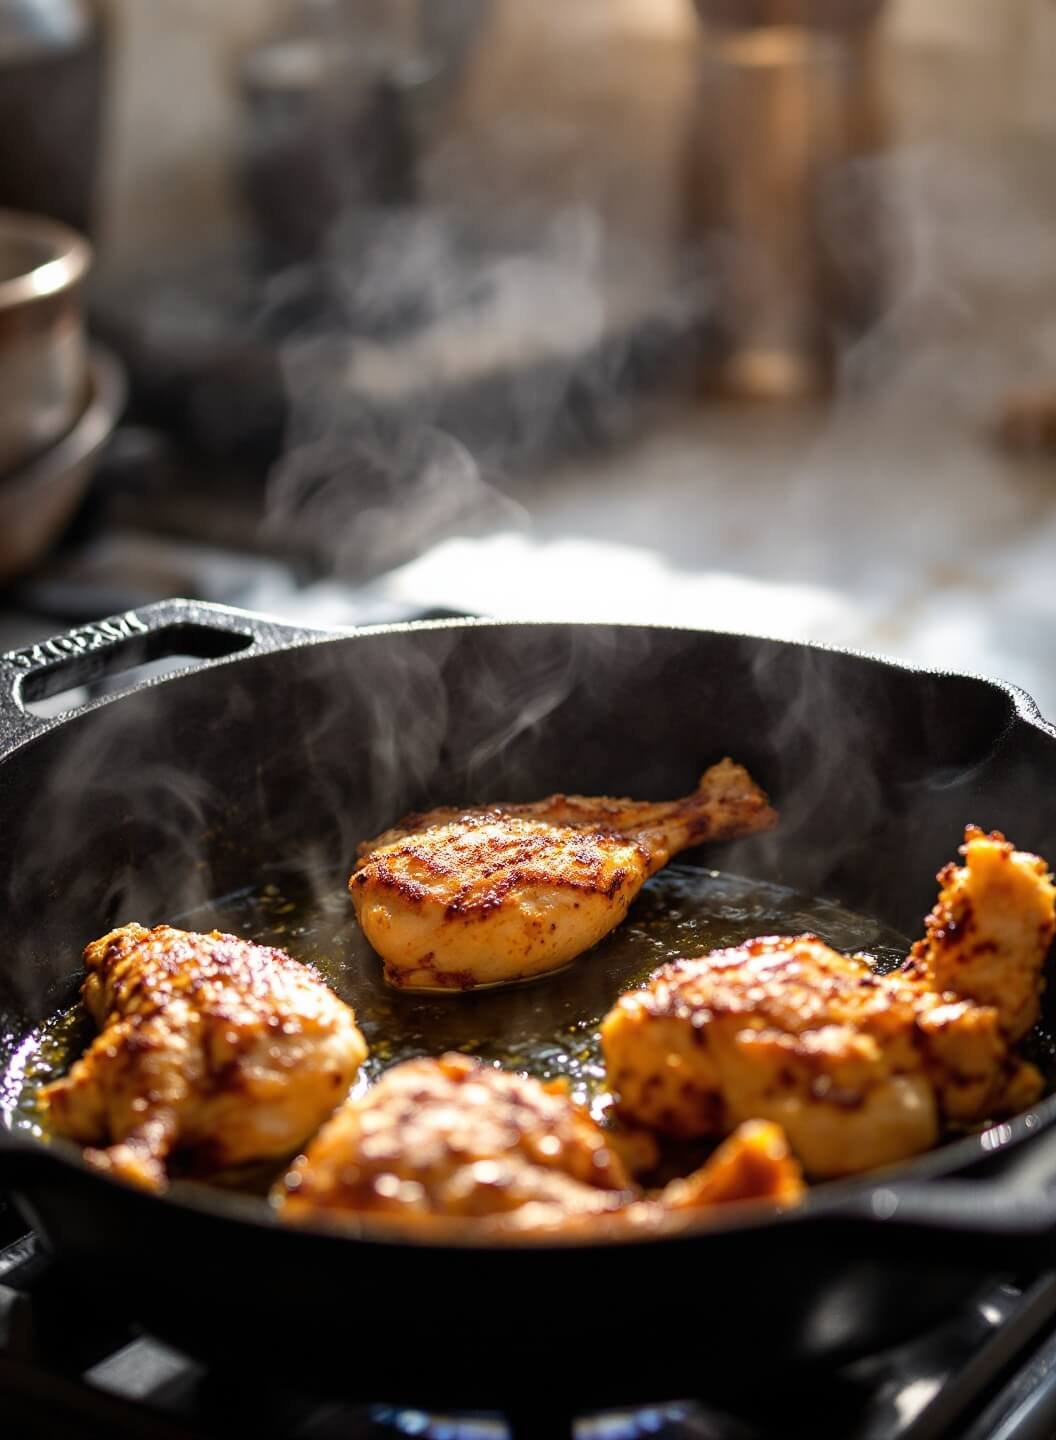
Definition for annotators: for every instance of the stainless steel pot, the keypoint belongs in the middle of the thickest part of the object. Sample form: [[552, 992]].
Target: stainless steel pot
[[43, 359], [38, 500]]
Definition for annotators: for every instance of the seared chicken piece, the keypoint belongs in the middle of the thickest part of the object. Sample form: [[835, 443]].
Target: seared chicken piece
[[754, 1163], [987, 936], [859, 1069], [461, 898], [453, 1138], [224, 1051]]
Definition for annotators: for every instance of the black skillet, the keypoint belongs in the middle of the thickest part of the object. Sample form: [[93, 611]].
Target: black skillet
[[288, 746]]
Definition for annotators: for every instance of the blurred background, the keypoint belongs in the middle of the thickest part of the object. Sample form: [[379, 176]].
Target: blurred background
[[739, 313]]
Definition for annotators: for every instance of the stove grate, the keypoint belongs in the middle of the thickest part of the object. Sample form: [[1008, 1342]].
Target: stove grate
[[72, 1365]]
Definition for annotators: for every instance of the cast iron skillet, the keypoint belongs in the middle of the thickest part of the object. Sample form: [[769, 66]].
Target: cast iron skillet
[[294, 744]]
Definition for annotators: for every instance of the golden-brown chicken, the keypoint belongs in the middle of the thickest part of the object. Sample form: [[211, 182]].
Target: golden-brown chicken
[[458, 899], [858, 1068], [436, 1140], [453, 1137], [209, 1046], [989, 931], [754, 1163]]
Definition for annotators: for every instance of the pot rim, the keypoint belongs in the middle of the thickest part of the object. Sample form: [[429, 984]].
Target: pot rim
[[70, 258]]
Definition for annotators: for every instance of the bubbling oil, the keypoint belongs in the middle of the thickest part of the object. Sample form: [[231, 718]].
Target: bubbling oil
[[547, 1028]]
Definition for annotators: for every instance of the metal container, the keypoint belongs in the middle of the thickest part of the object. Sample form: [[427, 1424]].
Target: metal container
[[783, 188], [327, 134], [38, 500], [43, 369]]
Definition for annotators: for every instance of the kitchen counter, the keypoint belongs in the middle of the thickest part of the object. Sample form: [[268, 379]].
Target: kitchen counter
[[891, 521], [894, 524], [888, 518]]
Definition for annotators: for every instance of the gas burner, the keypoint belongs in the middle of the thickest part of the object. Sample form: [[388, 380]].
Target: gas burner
[[667, 1421]]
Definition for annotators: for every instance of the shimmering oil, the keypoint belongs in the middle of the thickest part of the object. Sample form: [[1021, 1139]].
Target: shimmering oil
[[547, 1028]]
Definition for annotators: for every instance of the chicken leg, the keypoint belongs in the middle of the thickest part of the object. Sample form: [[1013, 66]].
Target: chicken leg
[[457, 899]]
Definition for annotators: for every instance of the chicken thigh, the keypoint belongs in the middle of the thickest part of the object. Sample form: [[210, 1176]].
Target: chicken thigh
[[859, 1068], [222, 1050], [453, 1137], [436, 1140], [456, 899], [987, 936]]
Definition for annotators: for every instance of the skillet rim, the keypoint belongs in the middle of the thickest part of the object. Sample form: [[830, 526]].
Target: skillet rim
[[296, 637], [834, 1198]]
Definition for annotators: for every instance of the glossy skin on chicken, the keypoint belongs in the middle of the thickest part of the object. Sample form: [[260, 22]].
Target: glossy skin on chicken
[[451, 1139], [754, 1163], [859, 1069], [992, 921], [225, 1051], [456, 899]]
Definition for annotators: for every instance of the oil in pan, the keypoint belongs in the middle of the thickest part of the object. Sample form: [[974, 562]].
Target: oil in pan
[[547, 1027]]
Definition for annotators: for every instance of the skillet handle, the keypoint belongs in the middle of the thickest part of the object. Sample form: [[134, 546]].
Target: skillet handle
[[1006, 1217], [200, 632]]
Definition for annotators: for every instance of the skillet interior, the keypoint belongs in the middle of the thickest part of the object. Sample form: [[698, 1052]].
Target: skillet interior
[[275, 768], [548, 1028], [188, 789], [204, 784]]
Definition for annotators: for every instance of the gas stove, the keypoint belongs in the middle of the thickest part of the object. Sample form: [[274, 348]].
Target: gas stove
[[72, 1364]]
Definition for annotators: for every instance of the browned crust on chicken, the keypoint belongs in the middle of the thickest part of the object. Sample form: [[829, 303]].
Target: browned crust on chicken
[[754, 1163], [510, 852], [460, 898], [453, 1138], [733, 802], [990, 930], [222, 1050], [860, 1069], [438, 1141]]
